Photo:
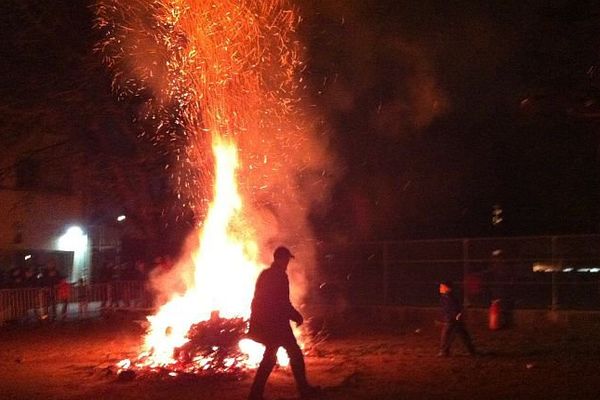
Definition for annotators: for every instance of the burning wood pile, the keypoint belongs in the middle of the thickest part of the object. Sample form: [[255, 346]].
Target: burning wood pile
[[213, 348]]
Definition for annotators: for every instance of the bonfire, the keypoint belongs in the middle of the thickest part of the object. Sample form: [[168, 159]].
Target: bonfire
[[223, 79]]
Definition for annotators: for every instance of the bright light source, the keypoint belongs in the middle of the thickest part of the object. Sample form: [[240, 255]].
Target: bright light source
[[121, 218], [544, 267], [75, 240], [594, 269], [28, 257]]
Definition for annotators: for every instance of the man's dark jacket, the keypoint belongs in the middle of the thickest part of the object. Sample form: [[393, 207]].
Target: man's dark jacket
[[272, 309]]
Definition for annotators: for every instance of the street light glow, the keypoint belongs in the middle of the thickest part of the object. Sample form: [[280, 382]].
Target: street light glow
[[75, 240]]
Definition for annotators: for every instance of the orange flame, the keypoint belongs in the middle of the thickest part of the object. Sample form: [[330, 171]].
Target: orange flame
[[220, 262], [225, 71], [225, 268]]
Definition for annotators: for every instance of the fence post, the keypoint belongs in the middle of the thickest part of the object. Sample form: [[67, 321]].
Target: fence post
[[554, 305], [465, 248], [109, 295], [386, 273]]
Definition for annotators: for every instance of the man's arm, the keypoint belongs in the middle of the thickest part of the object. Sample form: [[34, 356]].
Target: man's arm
[[296, 316], [293, 314]]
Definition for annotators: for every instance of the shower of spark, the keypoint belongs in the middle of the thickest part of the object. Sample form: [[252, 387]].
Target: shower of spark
[[202, 68], [216, 83]]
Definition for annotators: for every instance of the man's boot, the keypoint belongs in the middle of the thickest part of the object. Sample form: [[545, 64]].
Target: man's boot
[[299, 370]]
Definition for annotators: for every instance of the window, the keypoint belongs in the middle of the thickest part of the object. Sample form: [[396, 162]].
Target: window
[[27, 172]]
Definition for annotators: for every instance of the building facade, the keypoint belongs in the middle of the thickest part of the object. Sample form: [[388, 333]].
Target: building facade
[[41, 213]]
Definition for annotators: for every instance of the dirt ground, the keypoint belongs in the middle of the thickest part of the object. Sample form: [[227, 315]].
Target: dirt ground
[[75, 361]]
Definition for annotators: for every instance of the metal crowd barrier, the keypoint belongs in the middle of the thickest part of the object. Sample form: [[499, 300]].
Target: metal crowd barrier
[[39, 304]]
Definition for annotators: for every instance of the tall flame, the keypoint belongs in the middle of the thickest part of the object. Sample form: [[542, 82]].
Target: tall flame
[[218, 75], [225, 266]]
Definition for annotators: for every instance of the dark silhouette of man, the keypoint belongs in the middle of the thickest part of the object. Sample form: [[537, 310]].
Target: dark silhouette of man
[[452, 319], [270, 325]]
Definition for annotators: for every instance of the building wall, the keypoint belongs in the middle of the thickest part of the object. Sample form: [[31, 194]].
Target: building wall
[[35, 220], [39, 199]]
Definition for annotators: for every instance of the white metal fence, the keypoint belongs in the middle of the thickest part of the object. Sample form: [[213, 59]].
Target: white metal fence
[[39, 304]]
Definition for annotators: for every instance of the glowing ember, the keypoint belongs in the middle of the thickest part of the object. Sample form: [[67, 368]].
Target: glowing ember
[[124, 364]]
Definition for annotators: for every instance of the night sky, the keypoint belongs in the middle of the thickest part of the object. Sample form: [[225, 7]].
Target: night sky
[[437, 110]]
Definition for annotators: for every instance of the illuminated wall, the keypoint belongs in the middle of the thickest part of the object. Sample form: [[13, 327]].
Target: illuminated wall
[[38, 202]]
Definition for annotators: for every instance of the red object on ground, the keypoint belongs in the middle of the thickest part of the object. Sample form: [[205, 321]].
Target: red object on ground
[[495, 315]]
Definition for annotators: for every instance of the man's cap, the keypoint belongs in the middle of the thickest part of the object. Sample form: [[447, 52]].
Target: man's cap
[[282, 252]]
